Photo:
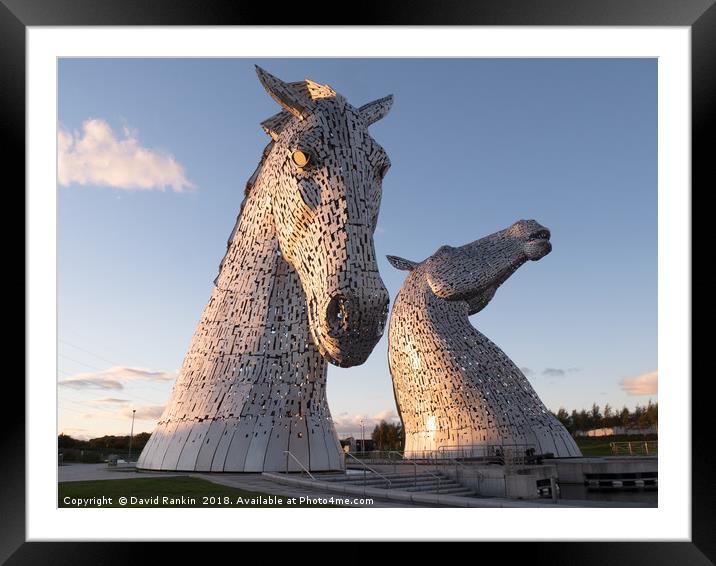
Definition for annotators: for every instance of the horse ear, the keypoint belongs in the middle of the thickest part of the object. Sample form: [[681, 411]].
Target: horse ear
[[374, 111], [274, 125], [401, 263], [284, 94]]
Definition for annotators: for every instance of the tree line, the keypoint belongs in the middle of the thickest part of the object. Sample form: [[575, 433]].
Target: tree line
[[98, 449], [608, 417]]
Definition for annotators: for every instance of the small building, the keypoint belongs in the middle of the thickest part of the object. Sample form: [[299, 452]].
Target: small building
[[618, 430], [351, 444]]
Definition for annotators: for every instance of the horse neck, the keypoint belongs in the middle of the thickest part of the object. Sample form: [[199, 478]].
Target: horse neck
[[417, 305], [252, 254], [269, 290]]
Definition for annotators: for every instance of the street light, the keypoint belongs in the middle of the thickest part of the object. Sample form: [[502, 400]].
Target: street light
[[362, 437], [131, 435]]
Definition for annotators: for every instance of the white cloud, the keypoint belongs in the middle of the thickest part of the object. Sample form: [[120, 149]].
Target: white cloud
[[96, 156], [347, 423], [111, 401], [644, 384], [558, 372], [90, 383], [144, 413], [115, 377]]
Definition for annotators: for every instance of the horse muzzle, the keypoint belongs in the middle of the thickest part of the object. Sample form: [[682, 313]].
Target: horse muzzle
[[353, 323]]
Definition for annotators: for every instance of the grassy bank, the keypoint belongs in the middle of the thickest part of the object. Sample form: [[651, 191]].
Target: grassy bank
[[601, 445], [176, 491]]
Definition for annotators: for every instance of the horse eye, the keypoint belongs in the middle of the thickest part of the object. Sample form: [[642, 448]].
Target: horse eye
[[300, 158]]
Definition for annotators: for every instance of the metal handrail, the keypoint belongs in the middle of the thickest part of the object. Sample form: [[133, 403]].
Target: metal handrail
[[415, 468], [485, 449], [367, 467], [427, 472], [480, 476], [288, 453]]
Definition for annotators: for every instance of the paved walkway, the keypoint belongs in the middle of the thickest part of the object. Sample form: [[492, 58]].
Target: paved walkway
[[249, 482], [89, 472], [256, 482]]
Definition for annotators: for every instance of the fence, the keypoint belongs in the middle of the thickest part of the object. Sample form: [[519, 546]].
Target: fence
[[507, 454], [90, 456], [636, 448]]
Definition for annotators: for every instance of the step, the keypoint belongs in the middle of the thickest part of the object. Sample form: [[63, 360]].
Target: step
[[443, 486], [374, 478], [405, 483], [401, 474], [458, 490]]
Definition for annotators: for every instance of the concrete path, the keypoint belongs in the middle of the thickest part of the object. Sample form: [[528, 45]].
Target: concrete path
[[256, 482], [89, 472]]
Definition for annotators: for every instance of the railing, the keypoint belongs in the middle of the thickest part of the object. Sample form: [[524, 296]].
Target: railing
[[366, 467], [494, 453], [635, 448], [506, 454], [400, 457], [288, 454]]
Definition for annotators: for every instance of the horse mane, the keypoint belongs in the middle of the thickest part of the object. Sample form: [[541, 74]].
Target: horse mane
[[272, 126]]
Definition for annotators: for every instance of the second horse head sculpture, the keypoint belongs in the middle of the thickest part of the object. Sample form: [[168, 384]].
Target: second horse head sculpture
[[456, 391]]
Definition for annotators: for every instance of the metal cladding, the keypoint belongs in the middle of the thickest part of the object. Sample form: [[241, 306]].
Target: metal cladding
[[298, 286], [454, 388]]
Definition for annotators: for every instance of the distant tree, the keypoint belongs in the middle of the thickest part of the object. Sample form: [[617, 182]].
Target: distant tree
[[104, 445], [595, 417], [66, 441], [652, 412], [625, 417], [636, 416], [649, 415], [608, 415], [584, 423], [563, 417], [388, 436]]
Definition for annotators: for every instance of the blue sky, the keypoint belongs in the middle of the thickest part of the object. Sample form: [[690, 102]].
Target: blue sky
[[475, 145]]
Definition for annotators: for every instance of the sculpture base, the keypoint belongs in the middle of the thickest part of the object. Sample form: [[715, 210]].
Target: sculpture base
[[249, 445], [559, 444]]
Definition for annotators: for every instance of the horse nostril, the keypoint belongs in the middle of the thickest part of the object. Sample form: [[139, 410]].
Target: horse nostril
[[337, 315]]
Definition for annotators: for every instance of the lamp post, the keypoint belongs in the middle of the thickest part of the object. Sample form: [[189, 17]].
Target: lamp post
[[131, 435], [362, 437]]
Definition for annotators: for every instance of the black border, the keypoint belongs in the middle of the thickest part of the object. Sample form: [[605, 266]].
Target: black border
[[699, 15]]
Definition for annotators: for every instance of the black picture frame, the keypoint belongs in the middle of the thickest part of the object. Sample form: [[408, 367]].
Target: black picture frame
[[698, 15]]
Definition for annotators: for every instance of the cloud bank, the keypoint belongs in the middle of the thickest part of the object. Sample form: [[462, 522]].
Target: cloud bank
[[96, 156], [644, 384], [114, 378]]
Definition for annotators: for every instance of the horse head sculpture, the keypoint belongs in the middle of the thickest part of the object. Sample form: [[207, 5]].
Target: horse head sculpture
[[298, 287], [457, 392], [324, 173], [473, 272]]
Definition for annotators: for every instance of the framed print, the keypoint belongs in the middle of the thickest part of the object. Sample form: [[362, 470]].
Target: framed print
[[545, 151]]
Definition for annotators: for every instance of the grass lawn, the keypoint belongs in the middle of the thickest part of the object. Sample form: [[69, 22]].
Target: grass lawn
[[600, 446], [175, 491]]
